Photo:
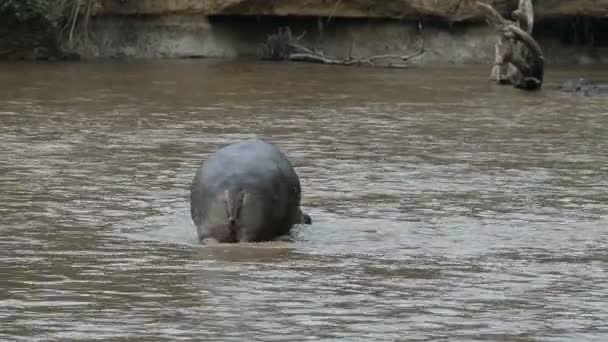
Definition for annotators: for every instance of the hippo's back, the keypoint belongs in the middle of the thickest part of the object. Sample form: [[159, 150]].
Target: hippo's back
[[250, 164], [251, 180], [252, 161]]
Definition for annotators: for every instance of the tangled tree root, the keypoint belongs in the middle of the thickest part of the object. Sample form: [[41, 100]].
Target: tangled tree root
[[519, 58]]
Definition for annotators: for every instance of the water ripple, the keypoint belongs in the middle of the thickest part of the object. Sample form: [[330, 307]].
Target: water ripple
[[442, 210]]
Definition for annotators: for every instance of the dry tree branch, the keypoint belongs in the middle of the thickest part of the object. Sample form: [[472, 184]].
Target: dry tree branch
[[282, 46], [519, 59], [74, 20]]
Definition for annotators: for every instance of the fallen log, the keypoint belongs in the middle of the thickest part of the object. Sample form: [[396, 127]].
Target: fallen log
[[519, 59]]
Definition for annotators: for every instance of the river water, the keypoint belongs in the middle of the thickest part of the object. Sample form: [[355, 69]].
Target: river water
[[444, 207]]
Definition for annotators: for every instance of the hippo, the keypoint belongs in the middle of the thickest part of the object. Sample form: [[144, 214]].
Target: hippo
[[585, 87], [246, 192]]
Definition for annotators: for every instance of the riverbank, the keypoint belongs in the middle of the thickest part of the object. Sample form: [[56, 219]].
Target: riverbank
[[452, 33]]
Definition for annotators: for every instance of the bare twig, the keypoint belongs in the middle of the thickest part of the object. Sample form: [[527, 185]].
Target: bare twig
[[314, 58], [302, 48], [403, 58], [333, 11], [524, 15], [86, 19], [493, 16]]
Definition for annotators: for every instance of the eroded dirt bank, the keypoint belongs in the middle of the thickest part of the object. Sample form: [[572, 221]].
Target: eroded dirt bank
[[450, 10], [564, 41], [452, 31]]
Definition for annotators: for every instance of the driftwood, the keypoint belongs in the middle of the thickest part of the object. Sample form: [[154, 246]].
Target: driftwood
[[283, 46], [519, 59], [524, 15]]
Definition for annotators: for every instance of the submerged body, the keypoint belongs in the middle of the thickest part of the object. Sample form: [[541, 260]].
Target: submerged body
[[246, 192], [585, 87]]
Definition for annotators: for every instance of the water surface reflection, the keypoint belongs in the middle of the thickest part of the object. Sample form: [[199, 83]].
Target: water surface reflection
[[443, 206]]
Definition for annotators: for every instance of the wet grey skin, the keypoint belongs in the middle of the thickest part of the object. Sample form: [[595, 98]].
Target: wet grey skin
[[585, 87], [246, 192]]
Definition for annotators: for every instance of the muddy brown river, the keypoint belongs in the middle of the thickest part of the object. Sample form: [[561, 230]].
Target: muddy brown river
[[445, 208]]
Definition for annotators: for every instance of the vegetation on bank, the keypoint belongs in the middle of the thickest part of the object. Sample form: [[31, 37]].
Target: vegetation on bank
[[23, 10], [65, 15]]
